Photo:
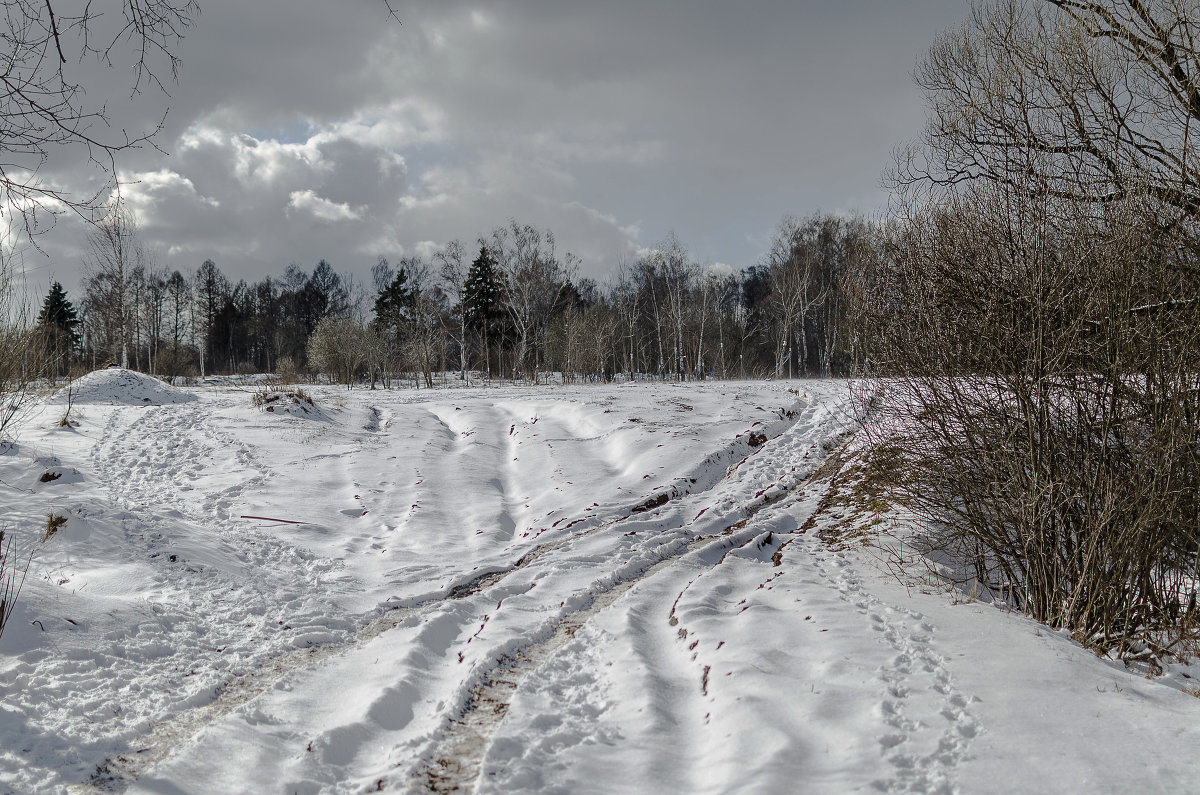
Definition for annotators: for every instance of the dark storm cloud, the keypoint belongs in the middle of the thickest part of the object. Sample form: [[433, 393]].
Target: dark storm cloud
[[302, 130]]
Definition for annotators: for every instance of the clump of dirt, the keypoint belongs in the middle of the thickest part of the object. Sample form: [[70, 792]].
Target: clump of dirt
[[650, 504]]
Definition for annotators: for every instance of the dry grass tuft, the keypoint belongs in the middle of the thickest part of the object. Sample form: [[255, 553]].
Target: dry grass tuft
[[53, 522], [267, 397]]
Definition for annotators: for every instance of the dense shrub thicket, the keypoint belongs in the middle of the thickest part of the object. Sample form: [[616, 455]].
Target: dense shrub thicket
[[1031, 316]]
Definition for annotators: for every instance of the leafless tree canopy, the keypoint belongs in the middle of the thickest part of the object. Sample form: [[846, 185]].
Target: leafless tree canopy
[[535, 277], [1033, 315], [116, 269], [1096, 100], [44, 112]]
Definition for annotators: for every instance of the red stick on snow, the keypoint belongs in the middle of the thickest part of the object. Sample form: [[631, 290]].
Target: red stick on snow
[[269, 519]]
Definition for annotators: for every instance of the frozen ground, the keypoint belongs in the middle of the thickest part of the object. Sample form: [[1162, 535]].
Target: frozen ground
[[601, 589]]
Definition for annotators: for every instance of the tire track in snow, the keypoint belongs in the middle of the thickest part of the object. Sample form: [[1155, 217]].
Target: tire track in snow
[[455, 759], [925, 725], [168, 433], [459, 753]]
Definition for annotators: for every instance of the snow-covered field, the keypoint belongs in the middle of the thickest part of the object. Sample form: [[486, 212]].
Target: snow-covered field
[[550, 589]]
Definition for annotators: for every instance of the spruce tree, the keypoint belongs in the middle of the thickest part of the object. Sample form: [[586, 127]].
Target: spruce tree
[[56, 324], [481, 299], [393, 305]]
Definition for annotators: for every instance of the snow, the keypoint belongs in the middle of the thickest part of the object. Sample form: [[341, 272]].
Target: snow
[[115, 386], [541, 589]]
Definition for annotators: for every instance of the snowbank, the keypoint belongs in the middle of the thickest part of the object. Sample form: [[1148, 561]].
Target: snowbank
[[117, 387]]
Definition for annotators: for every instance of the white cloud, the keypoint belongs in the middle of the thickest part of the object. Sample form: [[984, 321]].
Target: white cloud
[[308, 201], [143, 190], [308, 130], [266, 161]]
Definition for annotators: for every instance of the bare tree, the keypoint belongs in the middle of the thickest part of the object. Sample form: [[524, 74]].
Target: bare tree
[[846, 245], [534, 276], [22, 357], [426, 331], [795, 291], [113, 255], [44, 110], [627, 300], [600, 354], [1033, 308], [1095, 99], [678, 278], [665, 279], [153, 311], [178, 302], [453, 269], [1042, 405], [340, 348]]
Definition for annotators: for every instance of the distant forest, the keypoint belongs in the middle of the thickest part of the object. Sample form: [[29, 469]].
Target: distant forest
[[508, 306]]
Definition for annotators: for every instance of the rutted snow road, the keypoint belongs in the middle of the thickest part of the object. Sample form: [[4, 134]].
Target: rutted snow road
[[552, 590], [551, 562]]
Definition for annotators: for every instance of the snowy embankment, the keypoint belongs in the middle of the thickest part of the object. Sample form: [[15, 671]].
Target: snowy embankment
[[545, 589]]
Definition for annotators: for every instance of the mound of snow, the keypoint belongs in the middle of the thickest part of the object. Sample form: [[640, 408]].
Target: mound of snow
[[117, 387]]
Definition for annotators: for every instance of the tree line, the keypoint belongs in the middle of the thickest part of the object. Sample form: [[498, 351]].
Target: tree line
[[510, 305]]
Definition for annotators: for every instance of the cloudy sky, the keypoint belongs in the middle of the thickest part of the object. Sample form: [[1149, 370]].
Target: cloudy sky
[[309, 129]]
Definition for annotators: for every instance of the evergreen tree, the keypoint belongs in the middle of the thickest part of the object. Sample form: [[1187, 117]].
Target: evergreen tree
[[397, 306], [56, 324], [293, 324], [482, 299], [393, 305]]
